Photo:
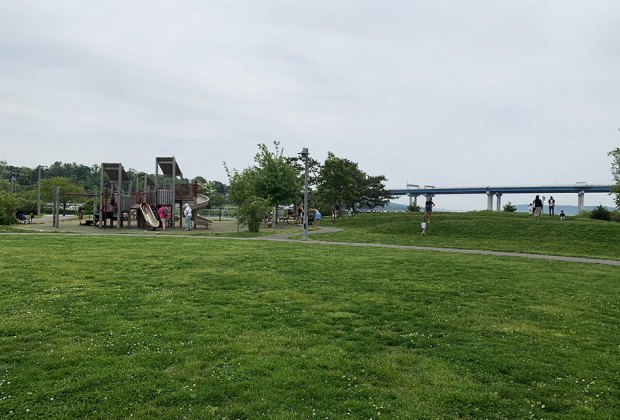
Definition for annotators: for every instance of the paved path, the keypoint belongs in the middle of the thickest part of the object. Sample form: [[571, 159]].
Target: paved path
[[291, 238]]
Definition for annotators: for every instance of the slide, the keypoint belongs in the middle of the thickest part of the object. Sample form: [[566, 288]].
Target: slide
[[201, 202], [149, 216], [199, 220]]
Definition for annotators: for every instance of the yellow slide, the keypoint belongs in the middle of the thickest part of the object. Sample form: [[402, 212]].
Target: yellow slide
[[149, 216]]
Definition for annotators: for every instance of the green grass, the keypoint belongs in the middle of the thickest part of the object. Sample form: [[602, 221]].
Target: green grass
[[165, 327], [514, 232]]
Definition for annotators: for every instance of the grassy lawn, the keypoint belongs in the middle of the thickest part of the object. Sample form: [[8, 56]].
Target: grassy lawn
[[516, 232], [166, 327]]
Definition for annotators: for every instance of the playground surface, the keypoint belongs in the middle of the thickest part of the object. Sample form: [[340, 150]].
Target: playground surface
[[70, 224]]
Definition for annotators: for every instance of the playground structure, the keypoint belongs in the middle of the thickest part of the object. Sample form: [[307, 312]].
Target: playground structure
[[121, 201]]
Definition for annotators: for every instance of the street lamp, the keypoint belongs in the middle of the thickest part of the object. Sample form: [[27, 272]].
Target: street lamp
[[40, 168], [304, 156]]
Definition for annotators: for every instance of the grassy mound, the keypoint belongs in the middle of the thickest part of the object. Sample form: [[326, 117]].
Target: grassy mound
[[499, 231]]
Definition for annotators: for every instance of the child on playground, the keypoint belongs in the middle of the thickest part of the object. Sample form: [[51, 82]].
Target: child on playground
[[164, 213]]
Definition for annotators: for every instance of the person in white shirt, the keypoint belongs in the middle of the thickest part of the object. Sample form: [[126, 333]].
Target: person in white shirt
[[187, 212]]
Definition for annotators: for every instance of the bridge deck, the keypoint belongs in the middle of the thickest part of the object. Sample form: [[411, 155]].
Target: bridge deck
[[536, 189]]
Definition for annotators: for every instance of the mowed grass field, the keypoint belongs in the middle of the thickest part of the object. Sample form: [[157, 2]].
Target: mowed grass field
[[498, 231], [172, 327]]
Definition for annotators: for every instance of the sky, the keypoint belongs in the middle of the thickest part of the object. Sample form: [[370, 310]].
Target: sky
[[445, 93]]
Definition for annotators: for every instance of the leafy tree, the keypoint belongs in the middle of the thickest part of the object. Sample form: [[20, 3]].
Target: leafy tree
[[341, 182], [276, 180], [8, 206], [48, 186], [240, 188], [615, 171], [373, 192], [509, 207]]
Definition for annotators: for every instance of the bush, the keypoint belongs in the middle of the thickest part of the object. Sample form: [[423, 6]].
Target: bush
[[413, 208], [600, 213], [8, 205], [510, 208], [252, 213]]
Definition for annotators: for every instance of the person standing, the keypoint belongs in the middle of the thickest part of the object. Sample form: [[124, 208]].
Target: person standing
[[530, 209], [428, 208], [164, 213], [538, 207], [317, 217], [423, 224], [551, 206], [187, 212], [562, 215]]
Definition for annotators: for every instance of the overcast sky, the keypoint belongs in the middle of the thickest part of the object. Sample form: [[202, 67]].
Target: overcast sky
[[447, 93]]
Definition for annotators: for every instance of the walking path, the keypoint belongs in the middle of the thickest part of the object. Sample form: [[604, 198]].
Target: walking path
[[290, 237]]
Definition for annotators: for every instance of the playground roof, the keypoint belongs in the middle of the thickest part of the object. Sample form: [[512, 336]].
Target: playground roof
[[112, 170], [166, 166]]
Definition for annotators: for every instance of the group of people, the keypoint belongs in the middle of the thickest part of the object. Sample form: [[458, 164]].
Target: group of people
[[428, 210], [315, 213], [164, 215], [536, 208]]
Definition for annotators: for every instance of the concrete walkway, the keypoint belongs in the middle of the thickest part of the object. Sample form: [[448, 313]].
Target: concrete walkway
[[292, 238]]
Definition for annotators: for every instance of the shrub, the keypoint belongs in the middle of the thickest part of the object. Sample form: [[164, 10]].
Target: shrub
[[252, 213], [600, 213], [8, 205], [414, 208], [509, 207]]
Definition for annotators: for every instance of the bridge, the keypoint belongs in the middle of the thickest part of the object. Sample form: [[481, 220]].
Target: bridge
[[414, 191]]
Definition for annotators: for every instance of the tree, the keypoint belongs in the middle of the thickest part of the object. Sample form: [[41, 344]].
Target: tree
[[276, 180], [373, 192], [48, 186], [240, 189], [509, 207], [8, 206], [339, 182], [615, 171]]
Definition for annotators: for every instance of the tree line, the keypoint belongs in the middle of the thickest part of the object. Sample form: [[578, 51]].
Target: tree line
[[273, 180]]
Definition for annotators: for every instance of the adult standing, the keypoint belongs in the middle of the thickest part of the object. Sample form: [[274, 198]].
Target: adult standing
[[538, 207], [317, 217], [428, 208], [551, 206], [187, 212]]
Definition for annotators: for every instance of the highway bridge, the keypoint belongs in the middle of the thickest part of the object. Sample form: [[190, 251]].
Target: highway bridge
[[414, 191]]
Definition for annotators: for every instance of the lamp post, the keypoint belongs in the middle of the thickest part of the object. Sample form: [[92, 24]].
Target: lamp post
[[304, 156], [40, 168]]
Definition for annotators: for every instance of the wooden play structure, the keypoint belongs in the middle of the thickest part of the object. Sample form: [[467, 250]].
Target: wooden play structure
[[121, 202]]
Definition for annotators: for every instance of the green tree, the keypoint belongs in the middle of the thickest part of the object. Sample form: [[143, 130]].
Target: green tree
[[241, 189], [615, 171], [68, 190], [339, 183], [276, 180], [373, 192], [8, 206]]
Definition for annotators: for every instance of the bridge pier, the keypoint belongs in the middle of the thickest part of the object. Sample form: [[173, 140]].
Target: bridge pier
[[499, 201], [580, 200], [490, 201]]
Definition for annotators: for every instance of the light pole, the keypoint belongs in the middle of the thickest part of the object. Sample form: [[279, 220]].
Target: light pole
[[304, 156], [40, 168]]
